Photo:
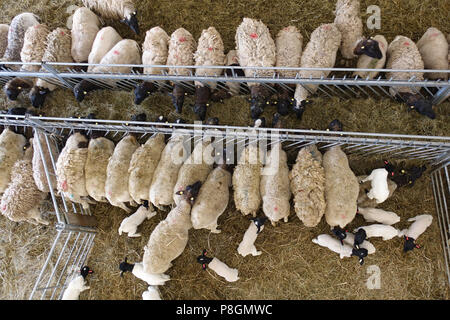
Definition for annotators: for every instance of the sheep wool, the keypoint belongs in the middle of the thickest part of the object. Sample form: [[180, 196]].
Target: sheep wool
[[327, 241], [16, 32], [111, 9], [212, 200], [70, 165], [4, 28], [168, 239], [210, 52], [289, 42], [181, 52], [366, 62], [307, 179], [131, 223], [350, 25], [98, 153], [379, 185], [379, 215], [274, 186], [219, 267], [155, 50], [152, 293], [75, 287], [11, 150], [104, 41], [21, 199], [380, 230], [320, 52], [433, 47], [34, 46], [85, 26], [247, 245], [50, 151], [420, 224], [363, 199], [341, 188], [117, 175], [142, 167]]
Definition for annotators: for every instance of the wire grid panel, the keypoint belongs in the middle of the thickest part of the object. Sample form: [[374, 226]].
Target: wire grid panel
[[340, 82]]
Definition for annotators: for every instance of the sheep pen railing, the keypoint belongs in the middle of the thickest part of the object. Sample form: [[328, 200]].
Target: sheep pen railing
[[340, 83], [74, 241]]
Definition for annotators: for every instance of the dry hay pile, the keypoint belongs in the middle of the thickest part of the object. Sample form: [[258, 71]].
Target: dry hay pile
[[291, 266]]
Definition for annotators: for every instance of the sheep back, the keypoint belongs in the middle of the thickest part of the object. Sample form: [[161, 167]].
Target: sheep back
[[155, 50], [289, 42], [50, 151], [363, 199], [350, 25], [111, 9], [34, 46], [85, 26], [433, 47], [11, 150], [181, 51], [104, 41], [125, 51]]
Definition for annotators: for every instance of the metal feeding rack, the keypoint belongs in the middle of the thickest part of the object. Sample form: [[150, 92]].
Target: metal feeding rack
[[340, 83]]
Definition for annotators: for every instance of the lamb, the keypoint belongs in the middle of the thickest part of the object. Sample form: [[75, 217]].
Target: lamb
[[247, 245], [230, 274], [11, 150], [137, 269], [123, 10], [380, 230], [16, 32], [4, 29], [131, 223], [170, 236], [32, 51], [379, 215], [155, 50], [307, 180], [49, 151], [105, 40], [181, 53], [289, 42], [232, 60], [77, 285], [21, 199], [210, 52], [367, 62], [125, 51], [85, 26], [350, 240], [403, 54], [363, 199], [58, 49], [152, 293], [327, 241], [70, 175], [379, 190], [341, 188], [421, 223], [256, 48], [320, 52], [117, 174], [433, 47]]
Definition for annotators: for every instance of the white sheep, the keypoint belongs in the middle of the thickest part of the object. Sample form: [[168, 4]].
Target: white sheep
[[11, 149], [123, 10], [350, 25], [50, 151], [152, 293], [117, 175], [219, 267], [420, 224], [380, 230], [76, 286], [85, 25], [367, 62], [105, 40], [137, 269], [131, 223], [379, 215], [289, 43], [363, 199], [4, 28], [327, 241], [247, 245], [341, 188], [433, 47], [379, 190]]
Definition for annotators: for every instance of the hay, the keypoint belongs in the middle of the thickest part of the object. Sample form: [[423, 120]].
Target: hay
[[291, 266]]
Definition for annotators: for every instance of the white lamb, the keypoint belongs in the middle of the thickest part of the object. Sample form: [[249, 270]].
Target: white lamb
[[379, 215], [247, 245], [380, 230], [420, 224], [77, 285], [152, 293], [131, 223], [327, 241], [380, 190], [230, 274], [350, 240], [152, 279]]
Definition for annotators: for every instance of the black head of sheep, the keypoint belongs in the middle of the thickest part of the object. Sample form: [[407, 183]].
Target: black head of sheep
[[202, 97], [203, 259], [409, 244], [191, 192], [132, 22], [299, 108], [38, 95], [340, 233], [369, 47], [143, 90], [84, 271], [361, 253], [125, 267], [259, 222]]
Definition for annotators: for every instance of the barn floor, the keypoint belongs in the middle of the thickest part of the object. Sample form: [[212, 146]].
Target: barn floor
[[291, 266]]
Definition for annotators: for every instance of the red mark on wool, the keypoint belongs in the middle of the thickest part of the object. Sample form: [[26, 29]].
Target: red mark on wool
[[300, 190], [210, 49], [406, 43], [182, 39], [4, 208], [343, 216], [116, 52], [327, 27], [62, 33], [435, 34], [64, 185], [275, 209], [253, 35], [101, 38]]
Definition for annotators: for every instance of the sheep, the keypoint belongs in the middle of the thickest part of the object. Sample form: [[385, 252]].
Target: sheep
[[131, 223], [21, 199], [99, 150], [403, 54], [256, 48], [105, 40], [320, 52], [210, 52], [420, 224], [307, 180], [155, 50], [49, 151], [247, 245], [77, 285], [387, 232], [152, 293], [4, 28], [11, 149], [16, 32], [234, 87], [137, 269], [70, 176], [58, 47], [363, 199], [406, 176], [433, 47], [32, 51], [85, 26], [378, 215], [125, 51], [230, 274], [123, 10], [289, 42], [379, 184], [181, 53], [350, 240], [341, 188], [117, 174], [327, 241], [170, 236], [367, 62]]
